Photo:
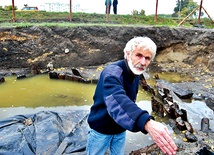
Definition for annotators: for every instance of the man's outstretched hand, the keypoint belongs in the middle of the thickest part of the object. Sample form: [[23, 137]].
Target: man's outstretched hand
[[161, 136]]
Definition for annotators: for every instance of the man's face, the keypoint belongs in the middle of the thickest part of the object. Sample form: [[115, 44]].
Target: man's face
[[139, 60]]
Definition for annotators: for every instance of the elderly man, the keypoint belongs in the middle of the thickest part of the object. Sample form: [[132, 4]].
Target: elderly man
[[114, 110]]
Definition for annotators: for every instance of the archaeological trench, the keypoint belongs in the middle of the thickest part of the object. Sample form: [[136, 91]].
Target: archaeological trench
[[189, 52]]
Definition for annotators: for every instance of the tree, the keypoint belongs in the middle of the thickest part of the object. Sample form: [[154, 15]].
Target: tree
[[190, 7], [134, 12], [9, 7], [142, 12], [184, 7], [180, 4]]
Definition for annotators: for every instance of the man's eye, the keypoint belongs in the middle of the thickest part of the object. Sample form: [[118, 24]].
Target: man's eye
[[139, 55], [148, 58]]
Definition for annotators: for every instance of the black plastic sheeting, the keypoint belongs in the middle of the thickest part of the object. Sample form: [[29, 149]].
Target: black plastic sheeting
[[45, 133]]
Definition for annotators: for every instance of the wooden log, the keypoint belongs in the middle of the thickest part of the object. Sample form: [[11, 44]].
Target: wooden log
[[190, 137], [153, 148], [188, 126], [76, 72], [21, 76], [2, 79], [173, 126], [145, 85], [157, 107], [180, 124], [205, 125]]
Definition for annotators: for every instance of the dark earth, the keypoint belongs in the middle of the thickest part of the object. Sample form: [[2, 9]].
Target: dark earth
[[186, 51]]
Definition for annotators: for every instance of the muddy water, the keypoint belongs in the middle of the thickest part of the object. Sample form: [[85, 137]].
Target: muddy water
[[38, 93], [42, 91]]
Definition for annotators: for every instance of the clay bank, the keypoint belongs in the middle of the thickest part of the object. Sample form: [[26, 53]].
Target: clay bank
[[187, 51]]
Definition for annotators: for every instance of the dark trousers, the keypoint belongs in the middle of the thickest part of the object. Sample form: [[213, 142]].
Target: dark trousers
[[115, 9]]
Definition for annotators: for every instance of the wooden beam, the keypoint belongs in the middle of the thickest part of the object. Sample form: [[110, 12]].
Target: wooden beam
[[199, 15], [13, 11], [156, 12], [70, 11], [188, 15]]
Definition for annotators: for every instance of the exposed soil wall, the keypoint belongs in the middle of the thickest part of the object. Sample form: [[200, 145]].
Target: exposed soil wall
[[23, 47]]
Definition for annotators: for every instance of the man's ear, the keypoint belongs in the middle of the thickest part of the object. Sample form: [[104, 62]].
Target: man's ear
[[128, 55]]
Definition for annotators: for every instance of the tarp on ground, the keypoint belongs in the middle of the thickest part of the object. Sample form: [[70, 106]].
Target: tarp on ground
[[44, 133]]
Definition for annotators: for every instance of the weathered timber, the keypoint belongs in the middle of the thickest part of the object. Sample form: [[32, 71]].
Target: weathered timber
[[69, 76], [2, 79], [189, 126], [184, 115], [153, 148], [190, 136], [205, 125], [145, 85], [160, 93], [157, 107], [76, 78], [180, 124], [171, 108], [21, 76], [76, 72], [53, 75], [173, 126]]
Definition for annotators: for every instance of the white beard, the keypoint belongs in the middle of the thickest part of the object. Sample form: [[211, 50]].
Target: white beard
[[135, 70]]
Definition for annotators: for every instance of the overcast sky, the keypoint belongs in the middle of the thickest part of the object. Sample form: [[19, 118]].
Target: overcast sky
[[124, 6]]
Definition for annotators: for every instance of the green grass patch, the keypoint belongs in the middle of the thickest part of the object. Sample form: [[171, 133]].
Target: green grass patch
[[24, 18]]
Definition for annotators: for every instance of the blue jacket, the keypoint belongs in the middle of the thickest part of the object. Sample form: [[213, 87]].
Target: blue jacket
[[110, 2], [115, 2], [114, 109]]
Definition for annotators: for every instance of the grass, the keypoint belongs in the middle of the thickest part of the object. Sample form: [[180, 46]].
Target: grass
[[85, 19]]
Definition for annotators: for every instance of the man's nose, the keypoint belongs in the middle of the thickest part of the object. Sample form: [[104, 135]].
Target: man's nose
[[143, 61]]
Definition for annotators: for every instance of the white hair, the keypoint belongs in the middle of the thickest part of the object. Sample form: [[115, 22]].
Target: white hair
[[144, 42]]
